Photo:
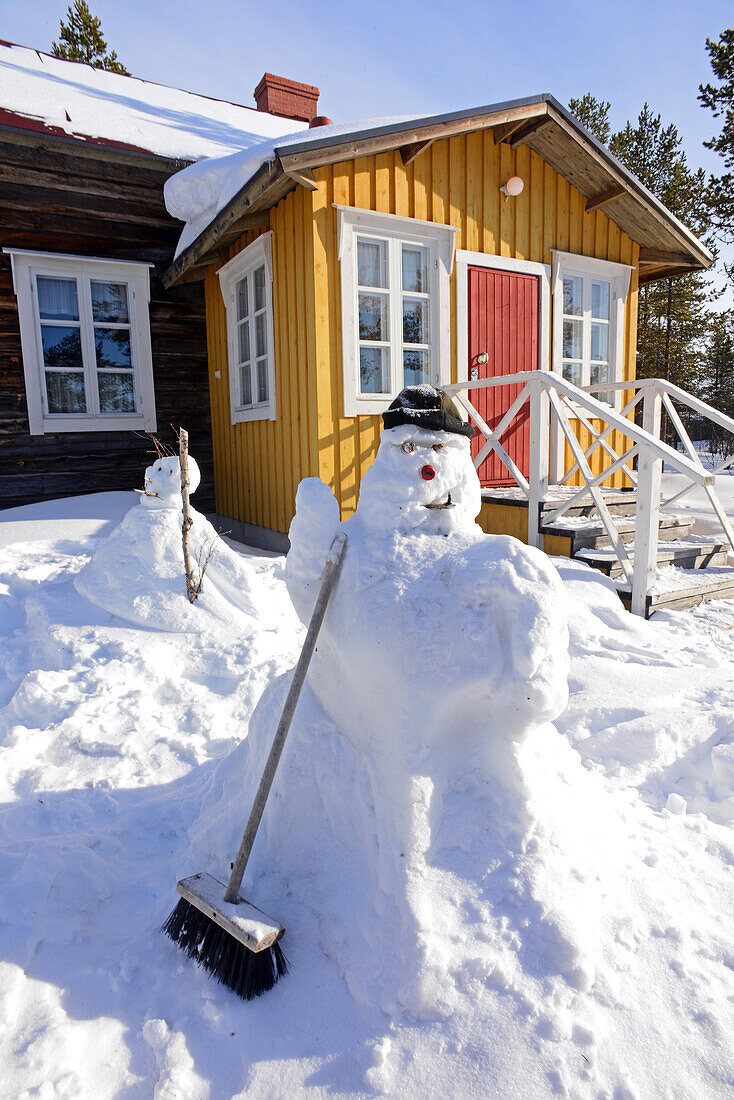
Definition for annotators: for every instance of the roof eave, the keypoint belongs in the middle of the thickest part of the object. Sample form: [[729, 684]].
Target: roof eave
[[266, 187]]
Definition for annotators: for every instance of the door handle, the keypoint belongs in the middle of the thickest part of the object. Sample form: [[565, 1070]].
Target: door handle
[[482, 357]]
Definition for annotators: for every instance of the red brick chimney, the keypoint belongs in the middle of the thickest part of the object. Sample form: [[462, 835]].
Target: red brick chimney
[[287, 98]]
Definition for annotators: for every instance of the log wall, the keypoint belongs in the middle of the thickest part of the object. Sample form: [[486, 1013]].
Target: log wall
[[59, 195]]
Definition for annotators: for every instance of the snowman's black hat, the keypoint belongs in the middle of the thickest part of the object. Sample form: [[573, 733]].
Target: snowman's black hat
[[426, 407]]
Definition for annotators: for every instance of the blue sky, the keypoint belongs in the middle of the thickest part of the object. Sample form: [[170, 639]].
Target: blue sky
[[415, 56]]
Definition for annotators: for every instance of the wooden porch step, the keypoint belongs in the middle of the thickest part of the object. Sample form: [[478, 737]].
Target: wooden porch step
[[589, 533], [618, 501], [690, 553], [678, 589]]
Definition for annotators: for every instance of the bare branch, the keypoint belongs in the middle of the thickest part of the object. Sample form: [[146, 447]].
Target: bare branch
[[183, 457]]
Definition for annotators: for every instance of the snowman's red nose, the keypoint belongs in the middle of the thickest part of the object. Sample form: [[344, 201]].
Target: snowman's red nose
[[428, 473]]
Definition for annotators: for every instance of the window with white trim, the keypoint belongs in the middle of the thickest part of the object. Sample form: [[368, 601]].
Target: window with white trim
[[246, 283], [588, 320], [395, 305], [85, 335]]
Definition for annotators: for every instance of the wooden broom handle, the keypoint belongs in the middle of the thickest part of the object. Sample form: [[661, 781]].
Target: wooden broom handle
[[330, 574]]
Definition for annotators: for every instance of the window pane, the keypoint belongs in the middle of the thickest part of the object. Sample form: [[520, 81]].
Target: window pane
[[261, 335], [373, 317], [371, 263], [572, 339], [599, 373], [242, 303], [262, 380], [245, 386], [109, 302], [415, 269], [259, 278], [572, 373], [244, 342], [116, 393], [415, 321], [113, 347], [416, 367], [573, 286], [62, 347], [65, 392], [599, 340], [57, 300], [373, 370], [600, 300]]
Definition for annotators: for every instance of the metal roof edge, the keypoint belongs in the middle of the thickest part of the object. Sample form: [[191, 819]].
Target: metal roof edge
[[412, 123]]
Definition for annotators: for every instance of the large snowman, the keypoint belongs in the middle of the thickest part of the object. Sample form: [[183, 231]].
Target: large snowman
[[436, 632], [442, 659], [419, 820]]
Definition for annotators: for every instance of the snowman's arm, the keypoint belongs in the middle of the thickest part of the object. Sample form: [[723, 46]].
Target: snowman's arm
[[313, 527]]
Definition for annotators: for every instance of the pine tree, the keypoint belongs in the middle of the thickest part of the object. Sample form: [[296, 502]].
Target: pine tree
[[81, 40], [719, 98], [720, 382], [673, 319], [592, 113]]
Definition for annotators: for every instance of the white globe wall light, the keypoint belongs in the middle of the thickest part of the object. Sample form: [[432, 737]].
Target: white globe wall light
[[514, 187]]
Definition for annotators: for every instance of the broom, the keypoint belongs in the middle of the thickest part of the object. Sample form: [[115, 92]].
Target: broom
[[230, 937]]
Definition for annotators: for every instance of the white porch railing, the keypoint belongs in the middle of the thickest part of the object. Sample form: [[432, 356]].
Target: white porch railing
[[550, 395]]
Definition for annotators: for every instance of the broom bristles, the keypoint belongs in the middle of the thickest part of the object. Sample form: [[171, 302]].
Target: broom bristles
[[247, 973]]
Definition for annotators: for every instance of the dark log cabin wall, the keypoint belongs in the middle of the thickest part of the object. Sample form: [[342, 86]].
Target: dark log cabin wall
[[68, 196]]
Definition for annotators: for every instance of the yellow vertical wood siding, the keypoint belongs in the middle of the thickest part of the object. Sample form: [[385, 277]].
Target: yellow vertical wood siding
[[259, 464]]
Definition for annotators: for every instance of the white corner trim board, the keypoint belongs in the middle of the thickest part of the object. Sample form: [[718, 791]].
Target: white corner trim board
[[246, 282], [108, 372], [422, 311]]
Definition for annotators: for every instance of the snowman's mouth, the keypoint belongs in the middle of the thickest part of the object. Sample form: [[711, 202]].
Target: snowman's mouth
[[448, 503]]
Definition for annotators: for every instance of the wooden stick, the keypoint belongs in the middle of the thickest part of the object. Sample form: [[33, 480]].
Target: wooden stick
[[331, 572], [183, 459]]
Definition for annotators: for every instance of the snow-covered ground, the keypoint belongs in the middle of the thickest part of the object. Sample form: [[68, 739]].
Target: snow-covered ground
[[696, 502], [115, 775]]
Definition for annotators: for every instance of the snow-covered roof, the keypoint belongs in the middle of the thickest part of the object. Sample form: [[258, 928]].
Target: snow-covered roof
[[196, 194], [46, 94]]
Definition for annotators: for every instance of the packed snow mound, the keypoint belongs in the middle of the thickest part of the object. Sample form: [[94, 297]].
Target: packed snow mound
[[137, 572]]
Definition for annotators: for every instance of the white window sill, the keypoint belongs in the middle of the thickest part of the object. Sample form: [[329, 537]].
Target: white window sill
[[246, 416], [68, 423]]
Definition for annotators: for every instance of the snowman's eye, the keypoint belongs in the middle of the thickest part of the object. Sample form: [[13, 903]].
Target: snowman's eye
[[408, 448], [438, 446]]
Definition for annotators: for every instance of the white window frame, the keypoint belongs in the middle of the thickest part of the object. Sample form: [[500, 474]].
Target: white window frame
[[26, 265], [257, 254], [588, 268], [440, 240]]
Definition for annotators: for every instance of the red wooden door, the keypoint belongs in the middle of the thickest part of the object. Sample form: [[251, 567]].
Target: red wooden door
[[503, 324]]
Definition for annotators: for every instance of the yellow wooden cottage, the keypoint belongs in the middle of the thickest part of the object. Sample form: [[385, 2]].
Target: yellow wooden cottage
[[455, 248]]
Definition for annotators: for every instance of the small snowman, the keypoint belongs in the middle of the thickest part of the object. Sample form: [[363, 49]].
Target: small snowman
[[137, 572], [162, 484]]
